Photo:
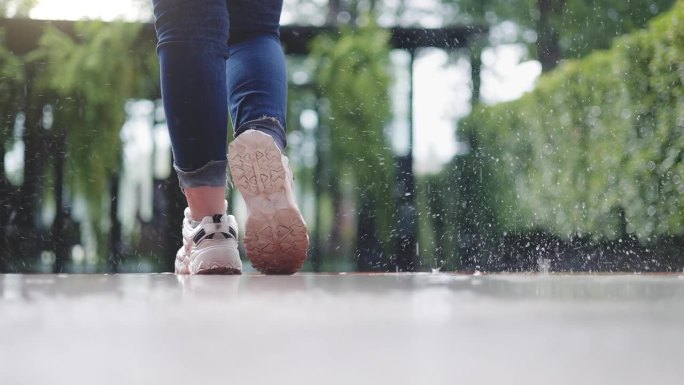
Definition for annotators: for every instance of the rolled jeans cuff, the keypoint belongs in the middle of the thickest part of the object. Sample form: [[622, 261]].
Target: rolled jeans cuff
[[267, 125], [212, 174]]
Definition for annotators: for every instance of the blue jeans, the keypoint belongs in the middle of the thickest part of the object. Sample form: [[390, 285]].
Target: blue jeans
[[217, 55]]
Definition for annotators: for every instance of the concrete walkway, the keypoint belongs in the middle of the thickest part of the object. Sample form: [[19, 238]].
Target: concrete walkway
[[341, 329]]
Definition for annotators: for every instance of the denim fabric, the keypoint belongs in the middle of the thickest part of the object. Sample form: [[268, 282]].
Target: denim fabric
[[216, 56]]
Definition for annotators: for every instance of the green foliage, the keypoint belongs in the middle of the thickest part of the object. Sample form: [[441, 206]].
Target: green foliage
[[16, 7], [11, 66], [89, 79], [492, 11], [597, 139], [11, 77], [590, 24], [583, 25], [352, 74]]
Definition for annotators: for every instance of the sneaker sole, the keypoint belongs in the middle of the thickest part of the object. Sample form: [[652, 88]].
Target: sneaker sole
[[276, 238], [214, 269], [217, 270], [212, 260]]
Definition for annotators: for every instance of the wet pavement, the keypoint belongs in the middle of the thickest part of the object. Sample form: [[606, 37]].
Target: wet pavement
[[342, 329]]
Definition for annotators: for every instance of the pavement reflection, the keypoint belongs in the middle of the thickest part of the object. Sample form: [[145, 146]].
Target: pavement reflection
[[341, 329]]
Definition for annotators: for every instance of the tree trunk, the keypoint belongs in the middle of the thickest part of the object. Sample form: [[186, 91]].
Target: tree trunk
[[369, 253], [318, 182], [115, 227], [406, 225], [548, 47], [59, 225], [5, 194], [334, 241], [334, 8], [438, 213], [476, 48], [26, 241]]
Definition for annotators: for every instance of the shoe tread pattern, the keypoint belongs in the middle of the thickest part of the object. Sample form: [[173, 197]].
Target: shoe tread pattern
[[258, 170], [276, 243]]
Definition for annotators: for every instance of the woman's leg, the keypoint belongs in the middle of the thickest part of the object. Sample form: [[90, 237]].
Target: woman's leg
[[276, 238], [257, 78], [192, 50]]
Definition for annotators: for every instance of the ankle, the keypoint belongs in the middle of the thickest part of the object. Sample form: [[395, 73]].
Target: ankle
[[206, 201]]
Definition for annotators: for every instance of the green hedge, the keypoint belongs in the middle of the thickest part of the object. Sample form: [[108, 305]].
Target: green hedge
[[596, 149]]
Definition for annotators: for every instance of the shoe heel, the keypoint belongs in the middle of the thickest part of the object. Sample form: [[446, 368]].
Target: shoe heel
[[277, 244], [216, 260]]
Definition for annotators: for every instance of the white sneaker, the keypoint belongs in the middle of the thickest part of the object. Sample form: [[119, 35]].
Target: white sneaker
[[276, 238], [210, 246]]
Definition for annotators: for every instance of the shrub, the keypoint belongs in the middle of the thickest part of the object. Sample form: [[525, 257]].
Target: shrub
[[596, 149]]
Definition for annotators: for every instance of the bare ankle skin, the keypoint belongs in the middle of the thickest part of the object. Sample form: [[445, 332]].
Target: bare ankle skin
[[206, 201]]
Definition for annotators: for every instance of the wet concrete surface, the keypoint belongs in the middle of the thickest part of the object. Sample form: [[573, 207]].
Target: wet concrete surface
[[342, 329]]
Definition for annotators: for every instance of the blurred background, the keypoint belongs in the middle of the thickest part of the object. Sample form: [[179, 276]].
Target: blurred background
[[452, 135]]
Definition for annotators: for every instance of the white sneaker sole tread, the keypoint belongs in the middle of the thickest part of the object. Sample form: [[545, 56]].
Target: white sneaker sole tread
[[276, 238]]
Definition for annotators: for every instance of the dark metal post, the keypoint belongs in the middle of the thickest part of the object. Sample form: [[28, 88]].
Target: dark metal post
[[407, 226], [318, 180], [412, 53], [59, 226], [476, 69], [115, 223]]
